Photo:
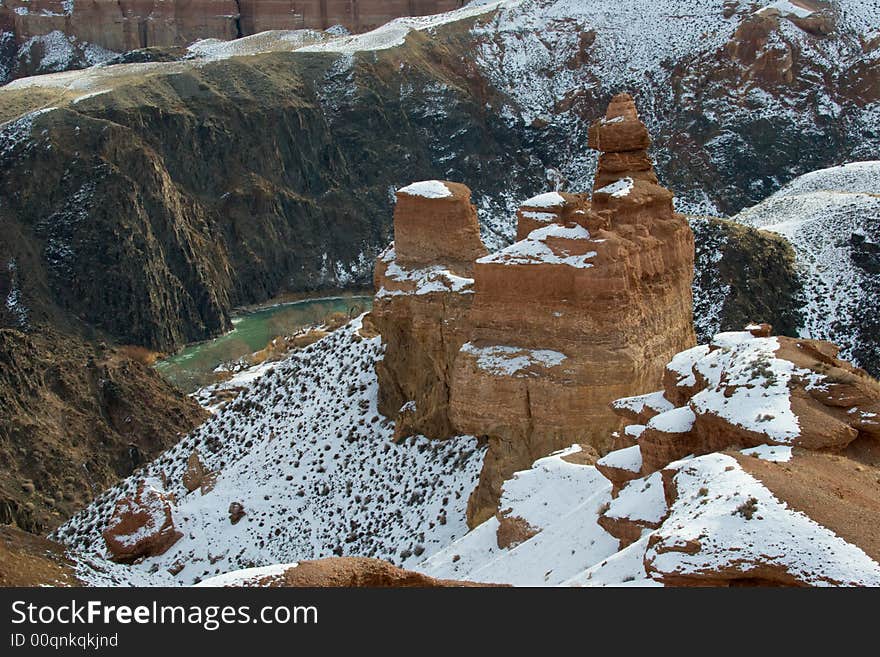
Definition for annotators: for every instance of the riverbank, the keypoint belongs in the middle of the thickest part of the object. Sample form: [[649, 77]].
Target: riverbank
[[260, 333]]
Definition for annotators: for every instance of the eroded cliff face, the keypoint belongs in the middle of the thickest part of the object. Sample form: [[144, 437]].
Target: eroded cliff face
[[120, 26], [150, 211], [424, 284], [593, 301], [74, 419]]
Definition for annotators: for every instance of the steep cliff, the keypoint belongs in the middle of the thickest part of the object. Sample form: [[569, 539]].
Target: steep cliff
[[424, 288], [74, 419], [202, 187], [56, 35], [576, 312], [481, 99]]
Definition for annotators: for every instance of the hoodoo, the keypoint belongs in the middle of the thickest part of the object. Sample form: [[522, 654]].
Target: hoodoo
[[527, 347], [592, 302], [424, 289]]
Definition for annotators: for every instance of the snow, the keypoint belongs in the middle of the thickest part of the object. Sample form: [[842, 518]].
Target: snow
[[247, 576], [629, 458], [427, 280], [17, 133], [710, 295], [635, 431], [745, 384], [637, 405], [787, 8], [535, 249], [546, 217], [427, 189], [14, 302], [59, 51], [825, 215], [617, 189], [255, 44], [678, 420], [624, 568], [683, 364], [851, 178], [306, 452], [503, 360], [641, 500], [546, 200], [752, 391], [774, 453], [559, 498], [738, 523], [394, 33]]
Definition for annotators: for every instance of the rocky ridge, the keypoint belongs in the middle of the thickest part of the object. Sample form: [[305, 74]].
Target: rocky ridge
[[831, 217], [780, 503], [40, 36]]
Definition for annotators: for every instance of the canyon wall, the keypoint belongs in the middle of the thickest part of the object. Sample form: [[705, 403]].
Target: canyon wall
[[122, 25]]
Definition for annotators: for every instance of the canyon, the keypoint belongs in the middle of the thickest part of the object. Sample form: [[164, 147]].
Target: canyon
[[467, 427]]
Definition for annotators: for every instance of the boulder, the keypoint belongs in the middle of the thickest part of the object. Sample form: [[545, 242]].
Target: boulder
[[236, 512], [197, 476], [142, 525]]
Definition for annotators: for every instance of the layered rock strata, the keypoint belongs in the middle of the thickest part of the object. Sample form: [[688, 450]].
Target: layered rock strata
[[130, 24], [591, 303], [424, 290], [587, 306], [810, 421]]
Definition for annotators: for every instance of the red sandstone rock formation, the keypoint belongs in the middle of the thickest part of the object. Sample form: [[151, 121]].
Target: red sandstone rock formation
[[424, 291], [121, 25], [589, 304], [586, 307], [751, 390], [550, 208], [805, 397], [141, 526]]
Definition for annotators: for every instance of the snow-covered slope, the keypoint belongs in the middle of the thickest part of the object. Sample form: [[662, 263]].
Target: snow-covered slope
[[306, 453], [562, 500], [720, 82], [832, 219], [736, 519]]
